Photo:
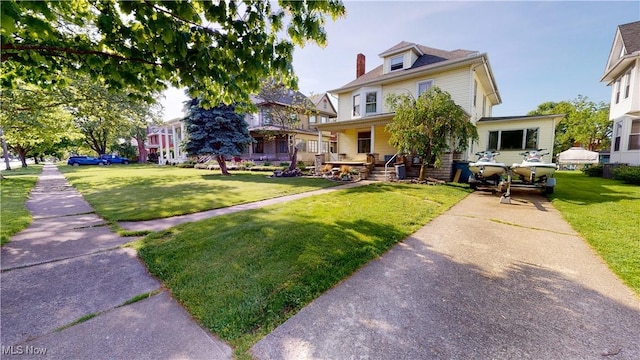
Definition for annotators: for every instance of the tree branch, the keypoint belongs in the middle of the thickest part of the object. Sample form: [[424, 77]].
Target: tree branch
[[59, 51]]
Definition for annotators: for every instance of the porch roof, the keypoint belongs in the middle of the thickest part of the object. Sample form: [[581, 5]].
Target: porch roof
[[341, 126]]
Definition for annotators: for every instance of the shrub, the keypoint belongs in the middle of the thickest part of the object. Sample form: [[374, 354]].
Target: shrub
[[594, 171], [284, 164], [266, 163], [628, 174], [301, 166], [185, 165]]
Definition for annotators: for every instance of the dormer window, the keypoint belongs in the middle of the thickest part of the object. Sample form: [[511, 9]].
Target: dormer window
[[397, 63]]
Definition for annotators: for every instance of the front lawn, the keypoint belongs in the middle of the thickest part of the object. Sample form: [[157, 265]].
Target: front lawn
[[15, 187], [607, 214], [243, 274], [145, 192]]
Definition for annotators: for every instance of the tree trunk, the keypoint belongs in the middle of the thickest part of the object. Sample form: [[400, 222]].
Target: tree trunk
[[423, 171], [4, 150], [223, 164], [23, 156], [294, 159]]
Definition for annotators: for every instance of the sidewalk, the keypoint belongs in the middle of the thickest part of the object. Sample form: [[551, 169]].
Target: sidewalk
[[68, 265]]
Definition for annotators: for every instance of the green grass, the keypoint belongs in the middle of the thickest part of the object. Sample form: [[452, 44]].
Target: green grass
[[144, 192], [14, 192], [606, 213], [243, 274]]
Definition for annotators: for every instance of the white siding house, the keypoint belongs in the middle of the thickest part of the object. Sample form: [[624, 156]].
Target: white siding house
[[622, 73]]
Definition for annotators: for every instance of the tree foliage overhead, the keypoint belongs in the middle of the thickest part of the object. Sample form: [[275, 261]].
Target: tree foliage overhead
[[220, 132], [429, 126], [220, 50], [585, 123]]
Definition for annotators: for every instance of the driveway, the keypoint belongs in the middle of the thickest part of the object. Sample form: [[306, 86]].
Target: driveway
[[482, 281]]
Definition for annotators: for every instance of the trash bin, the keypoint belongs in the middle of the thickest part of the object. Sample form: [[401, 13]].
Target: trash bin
[[463, 166], [400, 172]]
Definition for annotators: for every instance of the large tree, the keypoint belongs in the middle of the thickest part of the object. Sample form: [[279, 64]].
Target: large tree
[[428, 126], [220, 132], [220, 50], [34, 121], [586, 123]]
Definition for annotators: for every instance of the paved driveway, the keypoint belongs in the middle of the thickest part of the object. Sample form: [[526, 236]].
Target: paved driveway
[[483, 281]]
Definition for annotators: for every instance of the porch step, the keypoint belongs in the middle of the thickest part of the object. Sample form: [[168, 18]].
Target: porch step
[[378, 174]]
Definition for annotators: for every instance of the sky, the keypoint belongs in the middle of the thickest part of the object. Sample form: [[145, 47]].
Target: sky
[[538, 51]]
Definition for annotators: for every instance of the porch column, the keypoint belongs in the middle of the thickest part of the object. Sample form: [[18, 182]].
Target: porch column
[[320, 142], [176, 151], [160, 161], [373, 137], [182, 137], [167, 142]]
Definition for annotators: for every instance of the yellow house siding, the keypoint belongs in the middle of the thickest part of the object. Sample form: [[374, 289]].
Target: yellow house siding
[[545, 137], [382, 146]]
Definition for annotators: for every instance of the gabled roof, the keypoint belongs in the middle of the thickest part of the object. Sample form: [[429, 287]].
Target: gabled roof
[[429, 58], [287, 98], [624, 51], [630, 34], [317, 101]]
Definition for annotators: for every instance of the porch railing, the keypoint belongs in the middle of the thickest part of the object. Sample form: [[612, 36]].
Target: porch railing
[[386, 165]]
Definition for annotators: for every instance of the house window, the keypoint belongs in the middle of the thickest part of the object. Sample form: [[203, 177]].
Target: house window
[[324, 104], [281, 146], [371, 102], [266, 118], [323, 119], [397, 63], [634, 136], [364, 142], [356, 105], [617, 132], [513, 139], [617, 91], [312, 119], [312, 145], [258, 146], [627, 83], [424, 86], [325, 146]]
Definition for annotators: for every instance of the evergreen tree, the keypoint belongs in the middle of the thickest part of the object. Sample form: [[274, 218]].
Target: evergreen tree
[[219, 131]]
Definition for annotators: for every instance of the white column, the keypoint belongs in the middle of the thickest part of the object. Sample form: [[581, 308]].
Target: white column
[[176, 151], [182, 136], [160, 160], [319, 141], [166, 138], [373, 137]]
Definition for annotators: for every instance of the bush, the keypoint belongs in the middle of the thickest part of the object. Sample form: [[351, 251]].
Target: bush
[[284, 164], [628, 174], [301, 166], [594, 171], [186, 165]]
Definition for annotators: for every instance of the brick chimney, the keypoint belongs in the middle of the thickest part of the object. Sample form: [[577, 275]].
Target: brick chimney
[[360, 65]]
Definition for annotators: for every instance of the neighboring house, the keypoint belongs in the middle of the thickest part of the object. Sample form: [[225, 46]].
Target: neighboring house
[[622, 73], [409, 68], [273, 139], [163, 142]]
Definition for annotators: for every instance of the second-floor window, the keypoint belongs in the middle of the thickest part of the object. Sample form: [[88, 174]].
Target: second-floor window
[[312, 119], [371, 102], [617, 91], [424, 86], [323, 119], [356, 105], [627, 83]]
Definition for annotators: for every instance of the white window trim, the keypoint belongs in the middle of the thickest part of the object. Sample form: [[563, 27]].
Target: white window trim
[[363, 102]]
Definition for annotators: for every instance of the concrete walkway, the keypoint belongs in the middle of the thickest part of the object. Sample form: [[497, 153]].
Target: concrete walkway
[[68, 265]]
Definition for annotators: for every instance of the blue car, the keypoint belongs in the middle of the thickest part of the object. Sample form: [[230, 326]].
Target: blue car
[[114, 159], [85, 160]]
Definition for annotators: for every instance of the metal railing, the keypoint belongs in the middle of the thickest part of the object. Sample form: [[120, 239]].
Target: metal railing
[[386, 165]]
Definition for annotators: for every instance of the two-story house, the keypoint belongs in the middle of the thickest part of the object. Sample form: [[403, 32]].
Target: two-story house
[[410, 68], [274, 137], [163, 142], [622, 73]]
